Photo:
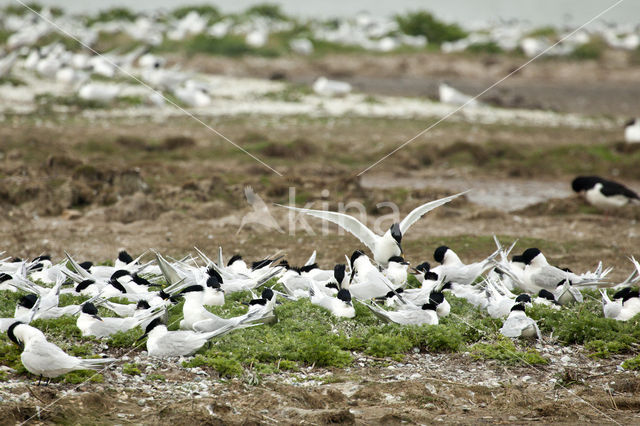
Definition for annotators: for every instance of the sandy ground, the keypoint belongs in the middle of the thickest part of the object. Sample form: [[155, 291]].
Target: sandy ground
[[93, 184]]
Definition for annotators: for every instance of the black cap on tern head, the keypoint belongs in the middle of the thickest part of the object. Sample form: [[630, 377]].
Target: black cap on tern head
[[86, 265], [344, 295], [517, 258], [233, 259], [119, 273], [153, 324], [309, 268], [125, 257], [83, 284], [139, 280], [621, 293], [28, 301], [529, 254], [429, 307], [41, 258], [89, 309], [213, 282], [192, 289], [339, 272], [11, 334], [518, 307], [4, 277], [396, 233], [267, 294], [355, 255], [436, 297], [423, 267], [630, 295], [213, 273], [142, 304], [115, 284], [438, 254], [396, 259], [523, 298], [546, 294]]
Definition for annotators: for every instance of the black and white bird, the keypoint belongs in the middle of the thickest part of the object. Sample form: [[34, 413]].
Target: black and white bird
[[164, 343], [539, 274], [624, 306], [339, 306], [367, 282], [604, 193], [91, 324], [518, 324], [45, 359], [383, 246], [408, 314], [455, 270]]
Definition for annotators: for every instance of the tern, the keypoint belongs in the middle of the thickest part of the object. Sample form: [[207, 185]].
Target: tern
[[90, 324], [455, 270], [408, 314], [383, 246], [518, 324], [164, 343], [45, 359], [367, 282], [339, 306]]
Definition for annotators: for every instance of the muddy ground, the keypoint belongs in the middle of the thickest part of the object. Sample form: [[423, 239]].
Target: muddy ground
[[91, 187]]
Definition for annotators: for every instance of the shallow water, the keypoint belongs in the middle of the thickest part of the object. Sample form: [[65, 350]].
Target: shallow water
[[498, 194]]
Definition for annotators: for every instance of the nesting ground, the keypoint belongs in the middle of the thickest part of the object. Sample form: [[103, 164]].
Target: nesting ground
[[91, 184]]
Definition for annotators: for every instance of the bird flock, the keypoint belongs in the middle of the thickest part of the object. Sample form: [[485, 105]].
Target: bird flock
[[98, 76], [501, 284]]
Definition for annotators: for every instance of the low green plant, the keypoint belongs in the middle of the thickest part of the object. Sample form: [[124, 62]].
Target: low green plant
[[503, 349], [424, 23], [131, 369], [632, 363]]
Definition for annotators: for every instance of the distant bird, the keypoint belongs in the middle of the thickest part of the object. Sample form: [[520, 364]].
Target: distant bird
[[44, 359], [518, 324], [604, 193], [383, 246], [632, 131], [449, 95], [260, 214], [193, 94], [339, 306], [325, 87], [99, 92]]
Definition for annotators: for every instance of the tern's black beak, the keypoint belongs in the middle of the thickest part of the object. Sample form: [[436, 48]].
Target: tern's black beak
[[97, 317], [141, 337]]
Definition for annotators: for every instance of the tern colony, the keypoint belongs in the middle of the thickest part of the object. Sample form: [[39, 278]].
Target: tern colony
[[24, 54], [499, 284]]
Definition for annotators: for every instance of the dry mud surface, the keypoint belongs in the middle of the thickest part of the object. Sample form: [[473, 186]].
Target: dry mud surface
[[91, 187]]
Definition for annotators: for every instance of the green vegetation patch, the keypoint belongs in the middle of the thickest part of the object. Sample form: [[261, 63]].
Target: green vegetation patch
[[504, 350], [424, 23]]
